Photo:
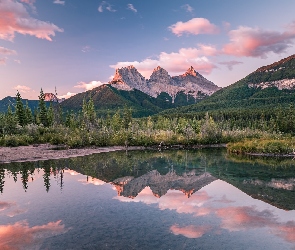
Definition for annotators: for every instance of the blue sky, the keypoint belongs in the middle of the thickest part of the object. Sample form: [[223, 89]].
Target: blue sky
[[77, 44]]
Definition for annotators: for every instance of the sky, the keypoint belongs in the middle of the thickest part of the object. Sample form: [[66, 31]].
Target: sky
[[76, 45]]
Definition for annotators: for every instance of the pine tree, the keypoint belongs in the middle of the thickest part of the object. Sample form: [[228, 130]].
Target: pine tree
[[10, 121], [28, 114], [50, 115], [84, 109], [20, 111], [43, 109], [127, 117], [2, 124], [91, 110]]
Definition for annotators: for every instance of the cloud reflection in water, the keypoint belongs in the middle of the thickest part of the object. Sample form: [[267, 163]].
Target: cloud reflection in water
[[20, 235]]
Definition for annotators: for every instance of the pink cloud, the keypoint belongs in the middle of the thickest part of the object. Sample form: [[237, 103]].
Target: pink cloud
[[20, 235], [245, 218], [286, 231], [194, 26], [256, 42], [242, 218], [174, 200], [5, 51], [190, 231], [89, 86], [14, 18], [176, 62]]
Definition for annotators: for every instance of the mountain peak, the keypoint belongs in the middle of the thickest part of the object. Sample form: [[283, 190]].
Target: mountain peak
[[190, 83], [130, 67], [157, 69], [191, 71]]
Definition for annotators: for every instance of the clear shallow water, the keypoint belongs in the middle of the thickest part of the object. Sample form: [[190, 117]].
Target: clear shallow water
[[201, 199]]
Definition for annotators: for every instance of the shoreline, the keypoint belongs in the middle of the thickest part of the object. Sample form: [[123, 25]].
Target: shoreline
[[269, 154], [42, 152]]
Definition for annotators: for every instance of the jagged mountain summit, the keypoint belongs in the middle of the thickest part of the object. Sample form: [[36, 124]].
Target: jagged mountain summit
[[191, 83]]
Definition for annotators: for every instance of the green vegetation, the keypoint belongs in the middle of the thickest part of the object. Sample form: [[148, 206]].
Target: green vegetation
[[87, 128], [264, 146], [246, 130]]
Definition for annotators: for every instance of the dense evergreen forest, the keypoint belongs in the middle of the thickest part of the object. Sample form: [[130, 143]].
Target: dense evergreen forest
[[50, 124]]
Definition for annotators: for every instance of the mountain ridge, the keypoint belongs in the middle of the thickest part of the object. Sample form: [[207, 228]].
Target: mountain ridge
[[191, 83]]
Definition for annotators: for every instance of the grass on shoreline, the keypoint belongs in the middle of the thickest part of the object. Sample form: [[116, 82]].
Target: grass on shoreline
[[239, 140], [282, 146]]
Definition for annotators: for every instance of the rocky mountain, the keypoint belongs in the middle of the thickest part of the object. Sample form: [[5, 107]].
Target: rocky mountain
[[267, 87], [191, 83]]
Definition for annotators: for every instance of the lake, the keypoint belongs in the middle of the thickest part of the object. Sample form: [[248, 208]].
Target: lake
[[178, 199]]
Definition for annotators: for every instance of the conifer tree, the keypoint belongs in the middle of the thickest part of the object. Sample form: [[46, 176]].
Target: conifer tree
[[28, 114], [84, 109], [2, 177], [50, 115], [127, 117], [43, 109], [91, 110], [19, 110], [10, 121]]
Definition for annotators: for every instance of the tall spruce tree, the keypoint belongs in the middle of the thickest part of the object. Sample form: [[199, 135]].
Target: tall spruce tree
[[91, 110], [42, 109], [10, 121], [50, 115], [20, 111], [28, 114], [127, 117]]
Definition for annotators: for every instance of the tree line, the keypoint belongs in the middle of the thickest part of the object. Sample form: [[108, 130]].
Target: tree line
[[51, 124]]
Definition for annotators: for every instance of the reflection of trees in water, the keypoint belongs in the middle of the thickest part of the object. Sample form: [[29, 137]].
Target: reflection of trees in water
[[2, 181], [105, 166], [25, 171], [244, 173]]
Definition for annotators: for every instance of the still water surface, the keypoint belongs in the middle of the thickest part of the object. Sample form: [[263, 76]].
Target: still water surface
[[202, 199]]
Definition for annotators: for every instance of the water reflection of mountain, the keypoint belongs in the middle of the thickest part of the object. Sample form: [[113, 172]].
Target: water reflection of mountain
[[269, 180], [160, 184]]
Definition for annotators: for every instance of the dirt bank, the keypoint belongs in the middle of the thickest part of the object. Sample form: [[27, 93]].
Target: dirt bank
[[47, 151]]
